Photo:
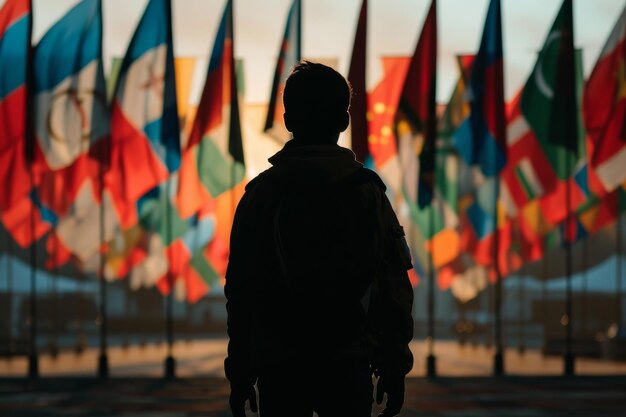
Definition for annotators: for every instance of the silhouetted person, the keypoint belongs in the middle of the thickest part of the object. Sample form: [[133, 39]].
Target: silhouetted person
[[318, 296]]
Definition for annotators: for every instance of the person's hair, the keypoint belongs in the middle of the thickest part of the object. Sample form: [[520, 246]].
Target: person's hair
[[316, 99]]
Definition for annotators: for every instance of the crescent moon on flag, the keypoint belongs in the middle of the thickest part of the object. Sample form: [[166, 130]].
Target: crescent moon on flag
[[74, 99], [540, 80]]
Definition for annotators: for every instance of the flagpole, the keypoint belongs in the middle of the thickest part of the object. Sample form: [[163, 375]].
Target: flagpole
[[9, 296], [234, 113], [431, 360], [103, 361], [498, 359], [53, 269], [299, 37], [521, 346], [81, 338], [33, 360], [125, 327], [9, 259], [544, 292], [618, 268], [568, 359], [54, 315], [170, 362], [498, 365], [521, 273], [583, 313], [81, 344], [33, 368], [101, 321], [430, 141], [569, 355]]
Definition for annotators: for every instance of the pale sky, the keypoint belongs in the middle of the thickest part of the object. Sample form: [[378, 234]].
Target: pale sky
[[328, 32]]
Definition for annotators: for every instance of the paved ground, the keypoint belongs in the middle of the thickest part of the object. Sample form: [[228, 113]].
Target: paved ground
[[205, 358], [532, 388], [186, 397]]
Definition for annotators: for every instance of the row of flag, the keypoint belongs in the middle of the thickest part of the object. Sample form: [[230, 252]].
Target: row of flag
[[490, 186], [486, 186], [115, 185]]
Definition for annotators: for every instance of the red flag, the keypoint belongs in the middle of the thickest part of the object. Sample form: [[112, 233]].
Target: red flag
[[604, 107], [417, 108], [15, 29], [356, 76], [213, 160]]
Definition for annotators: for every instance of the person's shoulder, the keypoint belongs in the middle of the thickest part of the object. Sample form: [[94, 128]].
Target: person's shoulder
[[367, 176], [257, 193], [264, 178], [374, 177]]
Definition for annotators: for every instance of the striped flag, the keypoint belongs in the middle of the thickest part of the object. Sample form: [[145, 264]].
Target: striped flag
[[528, 175], [213, 159], [15, 34], [531, 193], [546, 138], [289, 54], [211, 178], [605, 110], [481, 141], [417, 115], [485, 144], [145, 136]]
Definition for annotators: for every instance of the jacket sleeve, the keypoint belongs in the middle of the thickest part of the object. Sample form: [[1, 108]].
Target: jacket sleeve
[[237, 365], [395, 297]]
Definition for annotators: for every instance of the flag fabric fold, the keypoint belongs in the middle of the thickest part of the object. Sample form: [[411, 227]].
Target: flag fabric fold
[[481, 143], [145, 135], [211, 177], [548, 100], [416, 115], [604, 107], [485, 146], [72, 127], [289, 54], [213, 159], [71, 112], [15, 33]]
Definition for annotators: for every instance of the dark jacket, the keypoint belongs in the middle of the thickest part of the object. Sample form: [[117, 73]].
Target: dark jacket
[[317, 268]]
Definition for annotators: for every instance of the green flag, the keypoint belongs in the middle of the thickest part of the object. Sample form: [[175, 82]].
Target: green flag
[[549, 96]]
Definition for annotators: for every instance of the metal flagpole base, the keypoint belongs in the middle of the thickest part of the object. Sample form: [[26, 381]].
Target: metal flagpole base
[[170, 367], [431, 366], [33, 366], [498, 364], [568, 364], [103, 366]]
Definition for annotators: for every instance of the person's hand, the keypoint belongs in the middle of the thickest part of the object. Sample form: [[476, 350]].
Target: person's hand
[[393, 385], [239, 394]]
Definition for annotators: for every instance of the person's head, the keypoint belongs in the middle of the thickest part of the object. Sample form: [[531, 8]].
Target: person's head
[[316, 99]]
